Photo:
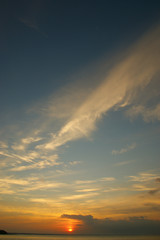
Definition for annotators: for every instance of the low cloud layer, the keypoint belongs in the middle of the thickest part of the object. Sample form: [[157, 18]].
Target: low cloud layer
[[133, 225]]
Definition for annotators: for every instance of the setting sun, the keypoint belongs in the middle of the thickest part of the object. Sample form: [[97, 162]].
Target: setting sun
[[70, 229]]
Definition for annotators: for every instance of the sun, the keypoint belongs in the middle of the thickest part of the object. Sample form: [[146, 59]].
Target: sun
[[70, 229]]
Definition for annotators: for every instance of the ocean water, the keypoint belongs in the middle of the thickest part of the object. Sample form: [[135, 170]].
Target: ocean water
[[69, 237]]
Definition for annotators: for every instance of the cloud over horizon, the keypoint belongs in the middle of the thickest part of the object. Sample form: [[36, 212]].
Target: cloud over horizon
[[133, 225]]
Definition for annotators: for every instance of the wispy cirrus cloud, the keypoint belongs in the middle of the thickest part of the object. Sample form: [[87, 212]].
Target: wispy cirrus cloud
[[39, 185], [150, 189], [107, 179], [141, 188], [103, 179], [39, 165], [85, 181], [145, 182], [148, 114], [118, 89], [9, 185], [124, 150], [123, 163], [21, 160], [15, 181], [88, 190], [111, 189], [144, 177], [25, 142], [47, 201], [49, 161], [80, 196]]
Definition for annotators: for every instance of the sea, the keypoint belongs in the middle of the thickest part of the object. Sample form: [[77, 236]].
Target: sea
[[73, 237]]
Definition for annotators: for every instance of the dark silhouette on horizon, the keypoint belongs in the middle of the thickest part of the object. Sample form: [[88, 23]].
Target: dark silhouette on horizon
[[3, 232]]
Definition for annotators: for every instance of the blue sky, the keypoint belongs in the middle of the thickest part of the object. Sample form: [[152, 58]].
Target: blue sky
[[80, 111]]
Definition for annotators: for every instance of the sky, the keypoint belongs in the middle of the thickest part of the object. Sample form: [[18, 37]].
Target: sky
[[80, 116]]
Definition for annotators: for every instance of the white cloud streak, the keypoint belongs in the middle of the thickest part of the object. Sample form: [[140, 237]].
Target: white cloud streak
[[141, 188], [80, 196], [124, 150], [108, 179], [104, 179], [9, 185], [118, 89], [10, 180], [88, 190], [49, 161], [144, 177], [148, 114], [123, 163]]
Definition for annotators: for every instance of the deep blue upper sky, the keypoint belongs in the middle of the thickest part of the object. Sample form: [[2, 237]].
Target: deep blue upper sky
[[43, 43]]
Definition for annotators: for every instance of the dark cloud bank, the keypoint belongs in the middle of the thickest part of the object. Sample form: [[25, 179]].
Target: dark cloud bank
[[132, 226]]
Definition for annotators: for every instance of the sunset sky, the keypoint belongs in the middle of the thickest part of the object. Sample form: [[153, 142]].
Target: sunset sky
[[80, 116]]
